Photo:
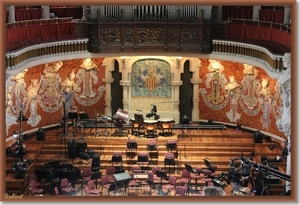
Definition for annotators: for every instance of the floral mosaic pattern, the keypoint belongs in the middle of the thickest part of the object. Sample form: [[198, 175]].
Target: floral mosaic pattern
[[151, 78]]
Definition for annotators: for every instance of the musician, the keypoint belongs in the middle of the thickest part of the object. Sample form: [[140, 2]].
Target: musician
[[234, 175]]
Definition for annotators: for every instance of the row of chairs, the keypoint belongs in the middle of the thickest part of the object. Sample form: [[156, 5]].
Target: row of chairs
[[36, 188]]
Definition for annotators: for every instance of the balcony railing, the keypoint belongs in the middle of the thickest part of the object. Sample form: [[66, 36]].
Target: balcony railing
[[35, 52], [249, 51]]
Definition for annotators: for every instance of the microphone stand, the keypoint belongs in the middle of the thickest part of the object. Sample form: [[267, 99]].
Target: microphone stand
[[20, 137], [65, 127]]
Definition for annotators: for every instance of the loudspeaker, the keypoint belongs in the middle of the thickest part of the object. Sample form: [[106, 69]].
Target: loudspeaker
[[257, 137], [40, 134], [96, 163], [210, 121]]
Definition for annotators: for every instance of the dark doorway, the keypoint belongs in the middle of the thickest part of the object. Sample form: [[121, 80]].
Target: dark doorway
[[186, 92], [116, 90]]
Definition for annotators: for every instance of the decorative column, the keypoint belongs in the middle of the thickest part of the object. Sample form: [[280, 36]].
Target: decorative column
[[287, 15], [125, 82], [175, 90], [11, 14], [125, 101], [255, 16], [195, 109], [46, 12], [84, 12], [108, 82]]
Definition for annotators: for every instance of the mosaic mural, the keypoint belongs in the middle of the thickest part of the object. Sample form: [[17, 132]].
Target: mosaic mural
[[151, 78]]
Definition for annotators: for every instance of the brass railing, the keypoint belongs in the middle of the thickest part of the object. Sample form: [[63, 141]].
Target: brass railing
[[249, 51], [34, 52], [269, 24]]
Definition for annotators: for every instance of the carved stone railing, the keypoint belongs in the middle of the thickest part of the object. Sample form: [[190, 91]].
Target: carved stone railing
[[34, 52], [249, 51]]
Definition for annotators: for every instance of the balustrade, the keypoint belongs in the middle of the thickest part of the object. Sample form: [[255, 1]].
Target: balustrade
[[34, 52], [255, 52]]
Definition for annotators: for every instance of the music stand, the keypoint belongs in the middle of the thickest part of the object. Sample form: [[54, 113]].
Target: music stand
[[73, 116], [96, 176], [190, 169], [131, 145], [171, 146], [169, 161], [162, 175], [140, 119], [184, 120]]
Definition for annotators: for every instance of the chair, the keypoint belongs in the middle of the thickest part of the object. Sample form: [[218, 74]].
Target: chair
[[154, 170], [152, 144], [116, 158], [149, 179], [34, 189], [185, 176], [169, 160], [143, 159], [207, 178], [197, 176], [171, 145], [171, 185], [180, 191], [135, 170], [66, 187], [33, 176], [91, 190], [106, 184], [213, 168], [87, 174], [110, 171]]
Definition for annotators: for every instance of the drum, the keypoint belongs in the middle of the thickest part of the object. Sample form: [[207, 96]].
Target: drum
[[166, 126], [122, 115], [134, 123], [150, 124], [150, 127]]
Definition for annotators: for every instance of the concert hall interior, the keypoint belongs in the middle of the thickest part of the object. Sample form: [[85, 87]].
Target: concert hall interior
[[148, 100]]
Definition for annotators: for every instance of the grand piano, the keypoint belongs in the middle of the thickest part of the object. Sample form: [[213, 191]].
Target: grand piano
[[53, 172]]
